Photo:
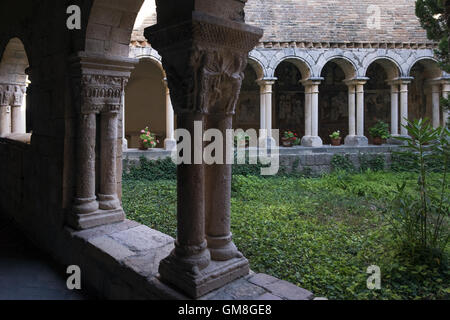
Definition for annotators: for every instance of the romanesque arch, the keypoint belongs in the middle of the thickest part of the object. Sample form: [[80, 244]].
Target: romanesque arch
[[14, 81], [333, 97], [382, 74]]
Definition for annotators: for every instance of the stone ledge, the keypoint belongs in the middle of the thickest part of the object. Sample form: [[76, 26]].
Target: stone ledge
[[122, 260]]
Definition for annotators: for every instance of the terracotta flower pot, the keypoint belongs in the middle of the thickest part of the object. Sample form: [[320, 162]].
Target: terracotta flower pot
[[377, 141], [336, 142], [142, 146], [287, 143]]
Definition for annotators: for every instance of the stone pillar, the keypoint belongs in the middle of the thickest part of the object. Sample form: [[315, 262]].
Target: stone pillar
[[170, 143], [124, 127], [436, 104], [394, 110], [356, 113], [262, 102], [312, 114], [6, 94], [351, 112], [18, 121], [404, 106], [204, 72], [98, 84], [108, 199], [267, 98], [445, 95], [218, 197]]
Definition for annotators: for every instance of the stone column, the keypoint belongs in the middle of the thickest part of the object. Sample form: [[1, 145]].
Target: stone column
[[262, 102], [312, 114], [6, 94], [267, 98], [404, 106], [445, 95], [98, 84], [108, 199], [218, 197], [170, 143], [394, 110], [436, 104], [351, 113], [124, 127], [356, 114], [204, 70], [18, 121]]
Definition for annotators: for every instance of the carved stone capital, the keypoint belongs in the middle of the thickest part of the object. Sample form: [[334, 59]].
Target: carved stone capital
[[204, 59], [99, 82], [12, 94]]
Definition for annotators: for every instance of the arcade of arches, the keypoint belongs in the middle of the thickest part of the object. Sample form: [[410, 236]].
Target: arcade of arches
[[381, 96], [87, 94]]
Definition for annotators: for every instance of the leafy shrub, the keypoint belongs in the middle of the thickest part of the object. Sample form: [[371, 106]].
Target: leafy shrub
[[342, 162], [374, 162], [421, 220], [380, 130], [152, 170]]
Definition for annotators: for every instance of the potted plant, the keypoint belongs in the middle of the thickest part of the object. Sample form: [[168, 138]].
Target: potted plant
[[148, 140], [241, 140], [336, 138], [290, 139], [379, 133]]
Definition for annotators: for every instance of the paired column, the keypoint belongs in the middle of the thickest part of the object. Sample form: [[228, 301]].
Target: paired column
[[404, 106], [205, 75], [96, 201], [356, 135], [436, 104], [12, 109], [170, 143], [445, 95], [266, 86], [311, 138], [262, 103], [394, 109]]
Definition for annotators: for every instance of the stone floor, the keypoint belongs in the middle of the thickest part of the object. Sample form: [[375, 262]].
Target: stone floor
[[28, 274]]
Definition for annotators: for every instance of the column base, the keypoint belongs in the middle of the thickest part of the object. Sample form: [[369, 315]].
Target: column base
[[356, 141], [394, 141], [312, 142], [199, 283], [223, 248], [124, 144], [170, 144], [108, 202], [95, 219]]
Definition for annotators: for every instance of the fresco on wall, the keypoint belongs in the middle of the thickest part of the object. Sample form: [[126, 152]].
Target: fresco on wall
[[289, 99], [248, 107], [333, 102]]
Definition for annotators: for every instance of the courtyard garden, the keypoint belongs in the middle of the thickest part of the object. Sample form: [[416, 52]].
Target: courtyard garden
[[321, 233]]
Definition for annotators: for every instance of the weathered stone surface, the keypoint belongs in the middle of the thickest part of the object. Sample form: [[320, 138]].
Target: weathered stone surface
[[147, 264], [111, 247], [142, 238], [106, 230]]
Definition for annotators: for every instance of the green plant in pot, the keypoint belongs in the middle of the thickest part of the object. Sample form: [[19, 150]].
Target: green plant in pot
[[380, 133], [290, 139], [148, 139], [336, 138]]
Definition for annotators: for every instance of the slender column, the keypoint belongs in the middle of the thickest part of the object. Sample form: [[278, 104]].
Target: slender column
[[404, 106], [268, 98], [85, 198], [124, 127], [205, 76], [445, 95], [311, 139], [352, 110], [5, 110], [18, 122], [360, 108], [170, 143], [394, 110], [356, 113], [262, 102], [436, 104], [107, 197], [218, 198], [308, 111]]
